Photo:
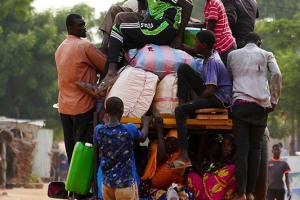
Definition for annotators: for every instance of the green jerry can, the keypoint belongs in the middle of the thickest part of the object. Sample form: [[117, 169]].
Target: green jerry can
[[80, 172], [189, 35]]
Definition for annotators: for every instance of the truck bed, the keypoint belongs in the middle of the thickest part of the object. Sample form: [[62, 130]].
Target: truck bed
[[206, 119]]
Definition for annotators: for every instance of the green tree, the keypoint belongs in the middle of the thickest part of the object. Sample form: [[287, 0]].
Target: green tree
[[281, 37], [278, 9], [28, 78]]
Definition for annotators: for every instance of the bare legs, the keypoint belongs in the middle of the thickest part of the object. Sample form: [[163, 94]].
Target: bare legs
[[104, 45], [108, 80]]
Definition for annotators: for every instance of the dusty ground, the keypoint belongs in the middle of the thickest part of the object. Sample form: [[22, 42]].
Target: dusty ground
[[24, 194]]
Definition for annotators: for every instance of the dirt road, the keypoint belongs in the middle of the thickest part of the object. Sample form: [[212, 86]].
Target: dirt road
[[24, 194]]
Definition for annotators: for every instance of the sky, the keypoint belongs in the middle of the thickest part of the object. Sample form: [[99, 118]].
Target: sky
[[99, 5]]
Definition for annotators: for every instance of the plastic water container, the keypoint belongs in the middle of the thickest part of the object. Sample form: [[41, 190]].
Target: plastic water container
[[81, 169], [189, 35]]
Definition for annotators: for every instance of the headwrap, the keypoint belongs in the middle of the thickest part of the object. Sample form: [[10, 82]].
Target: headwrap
[[172, 133]]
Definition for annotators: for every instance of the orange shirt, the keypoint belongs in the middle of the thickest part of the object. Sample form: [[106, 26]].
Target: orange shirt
[[76, 60], [164, 176]]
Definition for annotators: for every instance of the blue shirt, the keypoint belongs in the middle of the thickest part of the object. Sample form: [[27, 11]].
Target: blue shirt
[[117, 161], [215, 73]]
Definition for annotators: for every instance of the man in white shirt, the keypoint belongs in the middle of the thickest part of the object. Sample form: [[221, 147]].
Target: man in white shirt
[[252, 101]]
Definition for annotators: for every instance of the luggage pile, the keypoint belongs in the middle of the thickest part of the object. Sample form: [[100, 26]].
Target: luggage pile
[[150, 81]]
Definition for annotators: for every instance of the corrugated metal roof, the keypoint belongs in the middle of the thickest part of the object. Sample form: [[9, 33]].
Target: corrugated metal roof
[[40, 122]]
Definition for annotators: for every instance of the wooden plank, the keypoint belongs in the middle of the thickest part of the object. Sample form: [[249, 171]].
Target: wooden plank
[[225, 122], [211, 116], [167, 116], [192, 123], [131, 120], [219, 127], [212, 110]]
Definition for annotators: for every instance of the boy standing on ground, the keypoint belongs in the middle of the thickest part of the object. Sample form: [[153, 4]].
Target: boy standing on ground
[[115, 142], [278, 168]]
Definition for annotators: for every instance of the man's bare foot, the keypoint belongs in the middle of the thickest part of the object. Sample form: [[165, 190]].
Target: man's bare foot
[[88, 88], [107, 82]]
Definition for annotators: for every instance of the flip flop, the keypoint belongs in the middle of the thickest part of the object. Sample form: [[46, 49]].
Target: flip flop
[[102, 88], [88, 88], [178, 164]]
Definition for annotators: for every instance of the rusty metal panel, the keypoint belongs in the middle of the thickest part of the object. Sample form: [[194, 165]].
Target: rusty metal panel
[[42, 158]]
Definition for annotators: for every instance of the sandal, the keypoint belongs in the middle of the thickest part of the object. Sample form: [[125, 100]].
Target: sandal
[[88, 88], [178, 164]]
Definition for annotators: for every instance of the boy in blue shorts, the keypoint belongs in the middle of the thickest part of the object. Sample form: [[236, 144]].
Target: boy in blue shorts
[[114, 142]]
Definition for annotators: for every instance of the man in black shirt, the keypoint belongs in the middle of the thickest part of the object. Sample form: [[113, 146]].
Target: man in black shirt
[[241, 16]]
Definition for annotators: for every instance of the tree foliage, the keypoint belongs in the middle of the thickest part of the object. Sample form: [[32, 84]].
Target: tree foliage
[[281, 37], [28, 78], [278, 9]]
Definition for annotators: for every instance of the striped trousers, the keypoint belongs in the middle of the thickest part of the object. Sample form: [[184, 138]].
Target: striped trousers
[[127, 36]]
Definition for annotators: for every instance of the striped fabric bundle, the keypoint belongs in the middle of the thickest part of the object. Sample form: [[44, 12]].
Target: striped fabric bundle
[[161, 60]]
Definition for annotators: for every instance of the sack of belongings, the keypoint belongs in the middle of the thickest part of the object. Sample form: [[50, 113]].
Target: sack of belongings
[[161, 60], [165, 99], [136, 88]]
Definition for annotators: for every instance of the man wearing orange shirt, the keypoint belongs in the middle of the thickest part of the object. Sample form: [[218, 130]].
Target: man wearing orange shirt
[[77, 60]]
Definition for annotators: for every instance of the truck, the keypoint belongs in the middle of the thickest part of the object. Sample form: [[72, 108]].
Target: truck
[[206, 121]]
